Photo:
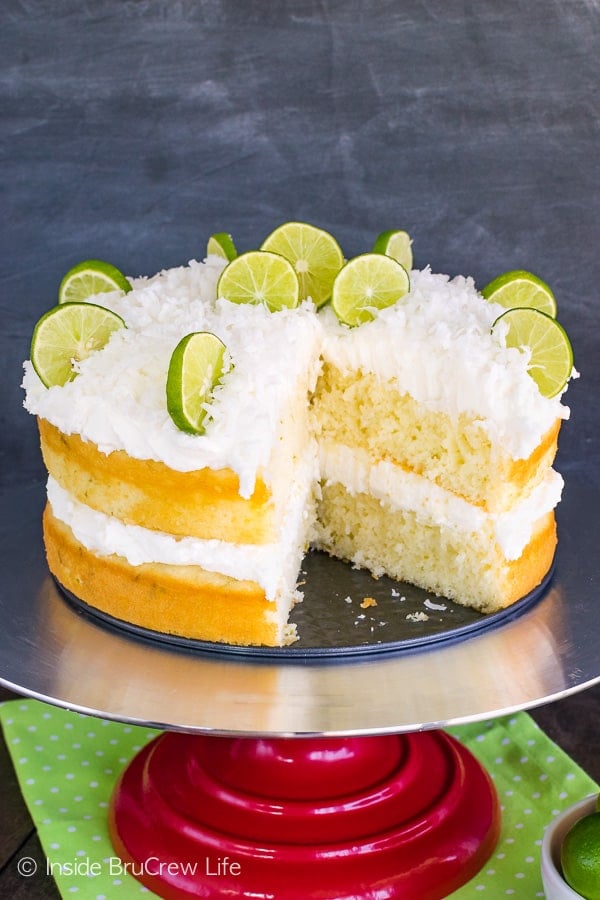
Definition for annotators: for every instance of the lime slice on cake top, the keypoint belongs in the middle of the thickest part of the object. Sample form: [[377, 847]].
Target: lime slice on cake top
[[314, 253], [551, 361], [397, 244], [221, 244], [260, 277], [90, 277], [65, 335], [520, 289], [367, 283], [197, 365]]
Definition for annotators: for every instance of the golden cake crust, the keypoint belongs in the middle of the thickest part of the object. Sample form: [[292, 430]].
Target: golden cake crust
[[522, 472], [204, 503], [179, 600], [529, 570]]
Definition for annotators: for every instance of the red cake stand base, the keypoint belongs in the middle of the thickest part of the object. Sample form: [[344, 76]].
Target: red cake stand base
[[412, 816]]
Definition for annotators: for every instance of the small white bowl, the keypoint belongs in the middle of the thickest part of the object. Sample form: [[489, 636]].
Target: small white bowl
[[555, 886]]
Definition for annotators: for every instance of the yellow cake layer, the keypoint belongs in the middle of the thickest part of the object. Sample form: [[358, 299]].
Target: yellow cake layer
[[456, 454], [466, 567], [180, 600], [203, 503]]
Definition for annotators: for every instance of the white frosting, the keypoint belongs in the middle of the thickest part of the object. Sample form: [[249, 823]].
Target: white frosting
[[273, 566], [405, 490], [118, 401], [436, 343]]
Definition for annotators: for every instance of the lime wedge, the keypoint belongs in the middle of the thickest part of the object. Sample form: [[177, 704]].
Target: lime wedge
[[368, 282], [197, 364], [65, 335], [551, 361], [315, 255], [396, 244], [521, 289], [260, 277], [221, 244], [90, 277]]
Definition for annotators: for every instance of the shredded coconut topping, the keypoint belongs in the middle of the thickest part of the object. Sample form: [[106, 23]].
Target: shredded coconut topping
[[118, 399]]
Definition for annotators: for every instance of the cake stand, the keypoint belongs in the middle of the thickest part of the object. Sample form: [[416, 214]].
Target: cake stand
[[307, 774]]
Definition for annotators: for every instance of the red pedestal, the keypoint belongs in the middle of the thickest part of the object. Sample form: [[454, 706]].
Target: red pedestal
[[396, 816]]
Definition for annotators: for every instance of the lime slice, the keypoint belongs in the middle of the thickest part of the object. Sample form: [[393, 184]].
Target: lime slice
[[315, 255], [260, 277], [580, 857], [368, 282], [90, 277], [221, 244], [65, 335], [551, 361], [521, 289], [396, 244], [197, 364]]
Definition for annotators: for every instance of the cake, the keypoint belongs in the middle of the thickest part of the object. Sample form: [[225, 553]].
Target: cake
[[415, 445]]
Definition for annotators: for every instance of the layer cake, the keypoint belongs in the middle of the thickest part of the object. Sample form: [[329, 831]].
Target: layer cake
[[416, 445]]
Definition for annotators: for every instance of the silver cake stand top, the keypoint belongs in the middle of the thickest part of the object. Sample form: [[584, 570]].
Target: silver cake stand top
[[54, 652]]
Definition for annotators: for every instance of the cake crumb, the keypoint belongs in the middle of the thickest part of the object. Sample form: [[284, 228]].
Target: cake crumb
[[435, 606], [367, 602], [417, 617]]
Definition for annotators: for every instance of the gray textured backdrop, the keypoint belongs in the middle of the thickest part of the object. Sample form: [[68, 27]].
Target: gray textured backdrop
[[132, 130]]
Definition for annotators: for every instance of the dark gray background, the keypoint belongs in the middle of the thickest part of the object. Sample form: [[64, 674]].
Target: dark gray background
[[132, 130]]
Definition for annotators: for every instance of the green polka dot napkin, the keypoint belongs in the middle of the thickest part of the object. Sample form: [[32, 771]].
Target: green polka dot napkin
[[67, 765]]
